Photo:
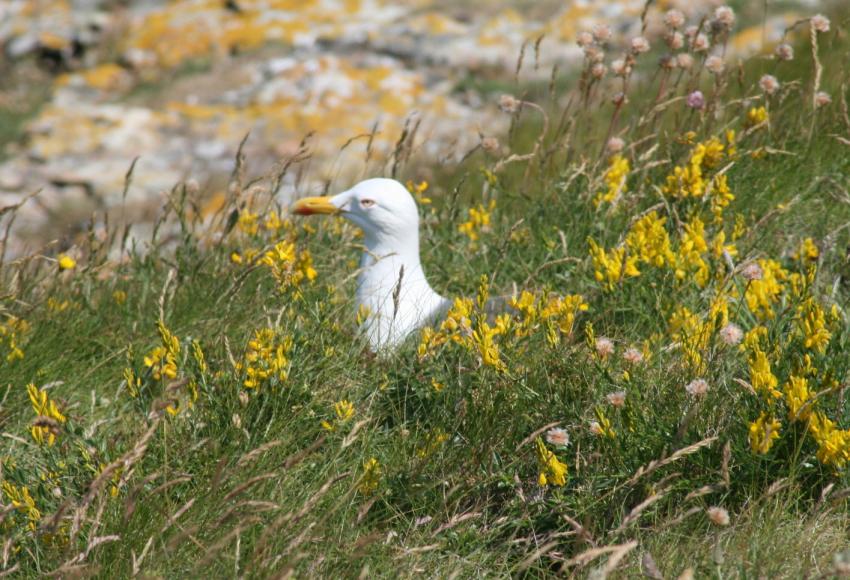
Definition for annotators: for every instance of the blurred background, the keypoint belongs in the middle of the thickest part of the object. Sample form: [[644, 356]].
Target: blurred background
[[88, 86]]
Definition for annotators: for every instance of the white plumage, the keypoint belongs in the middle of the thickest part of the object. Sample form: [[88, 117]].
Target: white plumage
[[391, 286]]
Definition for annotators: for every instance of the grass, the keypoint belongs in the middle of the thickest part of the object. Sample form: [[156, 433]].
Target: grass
[[247, 482]]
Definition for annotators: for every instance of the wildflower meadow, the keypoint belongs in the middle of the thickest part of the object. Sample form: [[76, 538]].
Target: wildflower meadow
[[661, 392]]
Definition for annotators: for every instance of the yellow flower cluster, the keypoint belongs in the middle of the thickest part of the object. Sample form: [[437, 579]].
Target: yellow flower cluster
[[162, 360], [763, 380], [811, 321], [763, 293], [602, 425], [615, 180], [649, 242], [466, 323], [798, 397], [763, 432], [613, 266], [833, 444], [288, 265], [48, 417], [22, 501], [807, 250], [371, 477], [10, 335], [433, 441], [478, 222], [755, 116], [558, 313], [693, 335], [266, 358], [694, 179], [418, 190], [552, 471], [343, 411]]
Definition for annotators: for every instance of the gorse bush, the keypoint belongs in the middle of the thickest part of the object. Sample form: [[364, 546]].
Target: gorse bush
[[669, 362]]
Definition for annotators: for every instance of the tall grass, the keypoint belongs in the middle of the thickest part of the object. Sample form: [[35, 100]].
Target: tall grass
[[215, 413]]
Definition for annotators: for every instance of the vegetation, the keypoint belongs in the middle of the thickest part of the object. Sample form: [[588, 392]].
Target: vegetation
[[664, 396]]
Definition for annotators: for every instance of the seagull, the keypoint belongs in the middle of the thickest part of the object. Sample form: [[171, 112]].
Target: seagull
[[392, 290]]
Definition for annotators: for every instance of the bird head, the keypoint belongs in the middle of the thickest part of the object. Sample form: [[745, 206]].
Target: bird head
[[382, 208]]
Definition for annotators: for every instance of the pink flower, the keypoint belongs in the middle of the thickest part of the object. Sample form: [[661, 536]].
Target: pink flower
[[615, 145], [697, 387], [674, 18], [633, 356], [584, 39], [558, 436], [731, 334], [601, 32], [640, 45], [617, 399], [685, 61], [718, 516], [715, 64], [700, 43], [820, 23], [752, 271], [696, 100], [784, 51], [769, 84], [724, 17], [822, 99], [604, 347]]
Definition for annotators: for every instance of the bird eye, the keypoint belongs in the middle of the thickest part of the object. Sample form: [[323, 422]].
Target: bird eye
[[367, 202]]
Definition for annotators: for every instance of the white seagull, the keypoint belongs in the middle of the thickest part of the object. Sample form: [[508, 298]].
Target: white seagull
[[391, 288]]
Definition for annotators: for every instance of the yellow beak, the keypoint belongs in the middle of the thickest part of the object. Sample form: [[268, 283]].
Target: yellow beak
[[313, 205]]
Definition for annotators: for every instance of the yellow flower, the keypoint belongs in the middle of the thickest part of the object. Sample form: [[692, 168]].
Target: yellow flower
[[797, 394], [119, 296], [429, 341], [762, 294], [483, 338], [807, 250], [693, 334], [248, 223], [478, 222], [417, 190], [563, 311], [288, 266], [66, 262], [811, 321], [344, 410], [755, 116], [371, 477], [134, 382], [198, 354], [552, 471], [648, 240], [615, 180], [762, 378], [21, 500], [266, 358], [47, 412], [613, 266], [433, 441], [692, 248], [602, 425], [763, 432], [833, 444], [10, 333]]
